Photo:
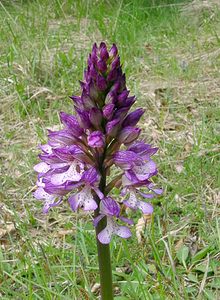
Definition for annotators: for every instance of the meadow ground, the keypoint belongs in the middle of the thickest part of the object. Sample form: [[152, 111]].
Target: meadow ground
[[170, 53]]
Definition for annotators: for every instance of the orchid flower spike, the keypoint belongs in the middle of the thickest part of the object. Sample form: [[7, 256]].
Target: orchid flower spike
[[103, 134]]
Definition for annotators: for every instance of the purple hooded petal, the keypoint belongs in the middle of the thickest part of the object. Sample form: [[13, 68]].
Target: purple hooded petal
[[94, 57], [121, 113], [77, 101], [103, 52], [87, 102], [91, 176], [101, 83], [60, 190], [122, 97], [95, 117], [115, 63], [129, 134], [133, 117], [102, 66], [60, 138], [68, 153], [93, 72], [71, 123], [109, 207], [50, 158], [96, 139], [112, 75], [112, 127], [143, 149], [108, 111], [144, 171], [83, 118], [113, 51], [129, 101], [125, 159]]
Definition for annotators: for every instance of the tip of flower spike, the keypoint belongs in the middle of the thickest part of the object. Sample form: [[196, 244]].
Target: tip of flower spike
[[113, 51]]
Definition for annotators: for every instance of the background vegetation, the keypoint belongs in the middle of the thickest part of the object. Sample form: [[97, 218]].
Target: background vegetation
[[170, 53]]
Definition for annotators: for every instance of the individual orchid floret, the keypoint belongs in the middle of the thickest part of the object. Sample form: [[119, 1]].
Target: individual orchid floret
[[129, 134], [137, 166], [85, 198], [110, 209], [133, 118], [96, 139]]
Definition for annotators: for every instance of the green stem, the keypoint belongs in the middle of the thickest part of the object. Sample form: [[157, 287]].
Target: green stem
[[104, 257], [105, 269]]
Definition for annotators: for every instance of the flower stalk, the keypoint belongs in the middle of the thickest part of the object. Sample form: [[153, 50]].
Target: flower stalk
[[78, 160], [105, 269]]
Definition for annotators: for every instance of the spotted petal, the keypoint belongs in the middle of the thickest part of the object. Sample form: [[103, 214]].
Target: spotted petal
[[83, 199], [144, 171], [71, 174], [42, 167], [40, 194]]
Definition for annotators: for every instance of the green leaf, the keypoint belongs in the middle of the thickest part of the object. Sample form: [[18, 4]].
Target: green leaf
[[202, 268], [210, 295], [201, 254], [193, 278], [182, 254]]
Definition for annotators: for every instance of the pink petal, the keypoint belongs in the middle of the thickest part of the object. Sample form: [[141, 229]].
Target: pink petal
[[84, 199], [99, 193], [143, 172], [126, 220], [41, 194], [148, 196], [74, 202], [42, 167], [145, 207], [123, 232], [90, 204], [105, 235], [46, 148], [132, 201], [71, 174]]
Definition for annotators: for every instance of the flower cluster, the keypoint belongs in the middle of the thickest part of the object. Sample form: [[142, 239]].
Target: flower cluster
[[102, 133]]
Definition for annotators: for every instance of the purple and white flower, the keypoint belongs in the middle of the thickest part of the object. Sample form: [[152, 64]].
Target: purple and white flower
[[111, 210], [77, 159]]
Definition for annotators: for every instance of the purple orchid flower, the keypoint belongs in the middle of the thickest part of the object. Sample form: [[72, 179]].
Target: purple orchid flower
[[76, 160], [84, 198], [110, 209]]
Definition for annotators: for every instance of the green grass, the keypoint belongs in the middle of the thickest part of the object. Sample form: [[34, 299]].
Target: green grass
[[172, 62]]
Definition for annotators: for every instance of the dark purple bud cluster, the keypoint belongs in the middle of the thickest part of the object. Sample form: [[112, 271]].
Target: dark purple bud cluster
[[101, 134]]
